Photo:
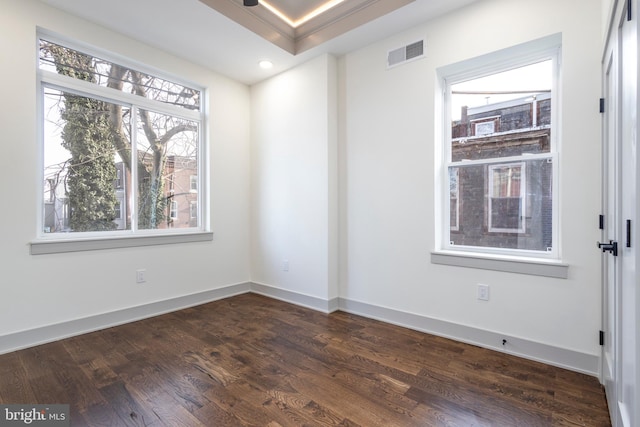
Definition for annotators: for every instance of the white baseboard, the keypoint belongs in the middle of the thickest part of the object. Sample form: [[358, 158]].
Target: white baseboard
[[42, 335], [315, 303], [540, 352], [551, 355], [555, 356]]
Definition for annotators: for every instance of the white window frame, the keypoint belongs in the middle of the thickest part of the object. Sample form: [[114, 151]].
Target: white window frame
[[173, 210], [522, 197], [46, 243], [193, 209], [544, 263]]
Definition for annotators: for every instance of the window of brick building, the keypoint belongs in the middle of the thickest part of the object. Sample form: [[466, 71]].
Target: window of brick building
[[173, 212], [506, 200]]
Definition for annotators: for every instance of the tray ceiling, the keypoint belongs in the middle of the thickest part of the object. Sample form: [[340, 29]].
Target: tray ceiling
[[297, 26], [192, 30]]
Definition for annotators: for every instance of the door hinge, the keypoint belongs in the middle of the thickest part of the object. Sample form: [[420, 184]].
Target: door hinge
[[602, 105], [601, 337], [601, 222]]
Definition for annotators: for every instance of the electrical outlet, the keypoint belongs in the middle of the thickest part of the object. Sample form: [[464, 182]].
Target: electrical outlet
[[483, 292], [285, 265], [141, 276]]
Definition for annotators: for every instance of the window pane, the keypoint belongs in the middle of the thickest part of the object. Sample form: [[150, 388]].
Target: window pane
[[506, 214], [112, 161], [502, 115], [80, 163], [167, 154], [72, 63], [503, 205]]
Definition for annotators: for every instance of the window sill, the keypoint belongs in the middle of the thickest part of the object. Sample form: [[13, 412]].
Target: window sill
[[42, 247], [547, 268]]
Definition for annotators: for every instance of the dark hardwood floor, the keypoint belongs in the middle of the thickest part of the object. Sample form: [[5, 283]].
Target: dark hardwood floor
[[255, 361]]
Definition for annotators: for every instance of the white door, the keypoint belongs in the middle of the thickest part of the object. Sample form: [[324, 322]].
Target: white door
[[628, 381], [620, 283], [610, 190]]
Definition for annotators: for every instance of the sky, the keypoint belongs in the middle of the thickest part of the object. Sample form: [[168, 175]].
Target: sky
[[535, 77]]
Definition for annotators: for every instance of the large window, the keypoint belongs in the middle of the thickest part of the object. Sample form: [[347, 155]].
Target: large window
[[122, 147], [500, 155]]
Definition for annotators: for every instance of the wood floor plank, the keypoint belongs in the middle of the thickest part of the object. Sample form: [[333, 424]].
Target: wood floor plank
[[254, 361], [15, 386], [130, 411]]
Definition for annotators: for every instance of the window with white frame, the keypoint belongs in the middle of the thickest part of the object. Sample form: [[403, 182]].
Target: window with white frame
[[500, 154], [173, 212], [112, 135]]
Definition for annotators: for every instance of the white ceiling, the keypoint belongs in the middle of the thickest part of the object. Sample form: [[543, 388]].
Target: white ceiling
[[196, 32]]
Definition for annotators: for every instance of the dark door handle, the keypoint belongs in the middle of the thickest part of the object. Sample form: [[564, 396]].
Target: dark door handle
[[609, 247]]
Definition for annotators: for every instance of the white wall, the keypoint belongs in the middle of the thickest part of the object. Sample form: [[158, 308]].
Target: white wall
[[388, 207], [294, 180], [42, 290], [351, 208]]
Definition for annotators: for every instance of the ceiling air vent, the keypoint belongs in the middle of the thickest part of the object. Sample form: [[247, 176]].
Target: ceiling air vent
[[405, 54]]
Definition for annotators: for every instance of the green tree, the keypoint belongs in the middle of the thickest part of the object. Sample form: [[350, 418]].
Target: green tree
[[88, 136]]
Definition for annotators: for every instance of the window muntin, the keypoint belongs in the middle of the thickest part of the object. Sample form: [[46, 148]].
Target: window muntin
[[112, 137], [500, 160]]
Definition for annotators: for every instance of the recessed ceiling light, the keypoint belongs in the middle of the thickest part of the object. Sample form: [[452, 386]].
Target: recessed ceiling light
[[265, 64]]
